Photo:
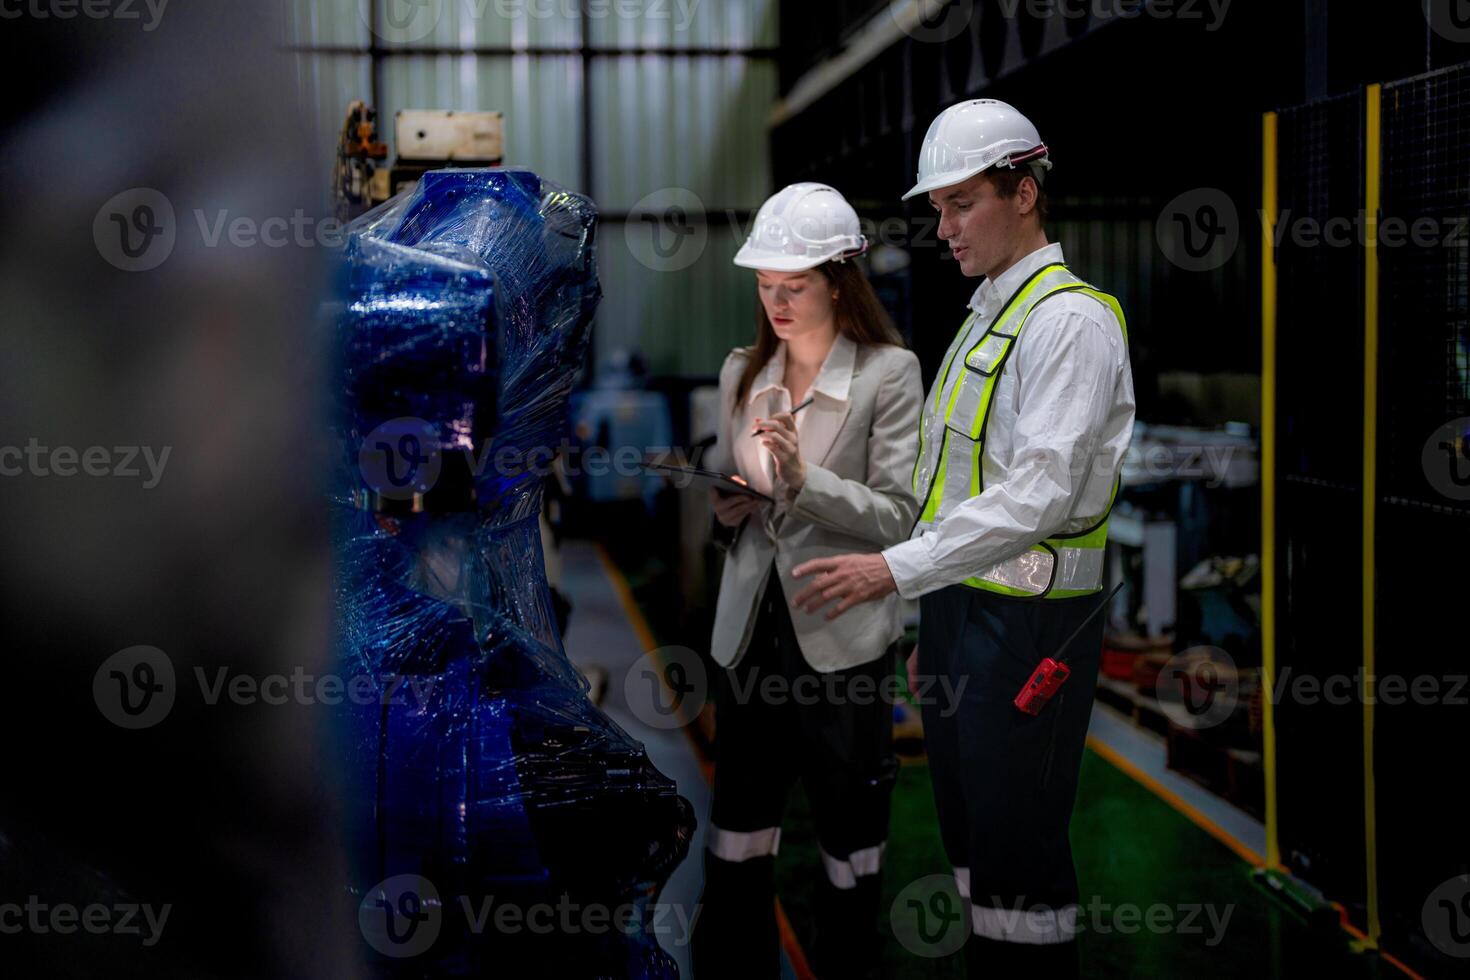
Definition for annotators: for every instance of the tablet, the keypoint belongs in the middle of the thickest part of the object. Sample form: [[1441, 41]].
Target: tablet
[[684, 476]]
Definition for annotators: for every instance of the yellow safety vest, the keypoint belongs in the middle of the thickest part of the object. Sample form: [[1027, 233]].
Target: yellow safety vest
[[952, 439]]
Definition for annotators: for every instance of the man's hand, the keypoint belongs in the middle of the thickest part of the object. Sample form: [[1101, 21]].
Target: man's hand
[[848, 578], [732, 508], [913, 671]]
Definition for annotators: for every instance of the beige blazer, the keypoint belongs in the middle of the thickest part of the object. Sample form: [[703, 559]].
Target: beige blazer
[[859, 441]]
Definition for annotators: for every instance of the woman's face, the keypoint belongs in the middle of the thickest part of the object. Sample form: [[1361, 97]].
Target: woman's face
[[797, 303]]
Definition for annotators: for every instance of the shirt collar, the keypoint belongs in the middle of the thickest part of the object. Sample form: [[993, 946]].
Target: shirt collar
[[989, 297], [833, 380], [769, 376]]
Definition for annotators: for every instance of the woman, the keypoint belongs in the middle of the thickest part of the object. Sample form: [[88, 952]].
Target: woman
[[839, 473]]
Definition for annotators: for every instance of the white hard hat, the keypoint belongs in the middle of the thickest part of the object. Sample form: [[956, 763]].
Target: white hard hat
[[799, 228], [973, 136]]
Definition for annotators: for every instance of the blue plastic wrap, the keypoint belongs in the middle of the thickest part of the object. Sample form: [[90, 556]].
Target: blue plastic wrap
[[489, 773]]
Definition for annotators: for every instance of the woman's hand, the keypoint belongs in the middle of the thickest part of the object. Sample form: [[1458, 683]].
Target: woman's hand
[[731, 509], [778, 435]]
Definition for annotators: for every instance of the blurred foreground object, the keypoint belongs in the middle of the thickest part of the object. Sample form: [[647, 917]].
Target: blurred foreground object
[[488, 774]]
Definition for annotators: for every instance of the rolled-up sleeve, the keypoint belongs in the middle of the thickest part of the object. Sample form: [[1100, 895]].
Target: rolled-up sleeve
[[882, 509], [1068, 373]]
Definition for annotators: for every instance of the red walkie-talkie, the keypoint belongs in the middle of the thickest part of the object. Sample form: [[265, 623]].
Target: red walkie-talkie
[[1052, 672]]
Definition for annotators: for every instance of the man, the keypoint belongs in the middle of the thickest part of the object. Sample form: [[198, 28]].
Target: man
[[1021, 443]]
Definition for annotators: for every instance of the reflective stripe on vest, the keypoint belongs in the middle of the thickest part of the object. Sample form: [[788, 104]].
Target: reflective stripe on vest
[[952, 441]]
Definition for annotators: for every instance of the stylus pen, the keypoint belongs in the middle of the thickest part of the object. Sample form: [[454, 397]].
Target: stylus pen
[[809, 399]]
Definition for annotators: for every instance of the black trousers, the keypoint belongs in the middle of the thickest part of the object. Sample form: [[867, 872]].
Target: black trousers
[[1004, 781], [834, 732]]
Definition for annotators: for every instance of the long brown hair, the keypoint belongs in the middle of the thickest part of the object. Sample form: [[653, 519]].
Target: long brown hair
[[860, 318]]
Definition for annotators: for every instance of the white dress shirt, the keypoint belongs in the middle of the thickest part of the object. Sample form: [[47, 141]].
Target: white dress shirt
[[770, 396], [1061, 420]]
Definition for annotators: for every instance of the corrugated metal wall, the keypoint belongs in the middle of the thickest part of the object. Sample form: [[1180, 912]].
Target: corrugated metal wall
[[687, 23], [680, 92], [696, 124], [685, 321], [541, 97], [334, 22]]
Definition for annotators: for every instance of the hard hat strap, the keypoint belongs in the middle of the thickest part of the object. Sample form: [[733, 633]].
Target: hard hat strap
[[852, 253], [1029, 155]]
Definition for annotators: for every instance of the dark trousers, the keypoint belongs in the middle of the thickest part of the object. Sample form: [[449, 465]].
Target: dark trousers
[[1005, 781], [841, 748]]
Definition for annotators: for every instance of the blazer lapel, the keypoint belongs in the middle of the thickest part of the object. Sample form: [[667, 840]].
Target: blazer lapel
[[820, 421]]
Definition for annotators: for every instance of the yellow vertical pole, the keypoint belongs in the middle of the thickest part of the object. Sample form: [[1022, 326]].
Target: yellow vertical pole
[[1269, 208], [1372, 181]]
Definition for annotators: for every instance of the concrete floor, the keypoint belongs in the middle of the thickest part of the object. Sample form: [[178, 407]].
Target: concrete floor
[[601, 634]]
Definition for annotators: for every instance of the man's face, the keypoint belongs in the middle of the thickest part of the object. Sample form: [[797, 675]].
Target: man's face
[[980, 226]]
